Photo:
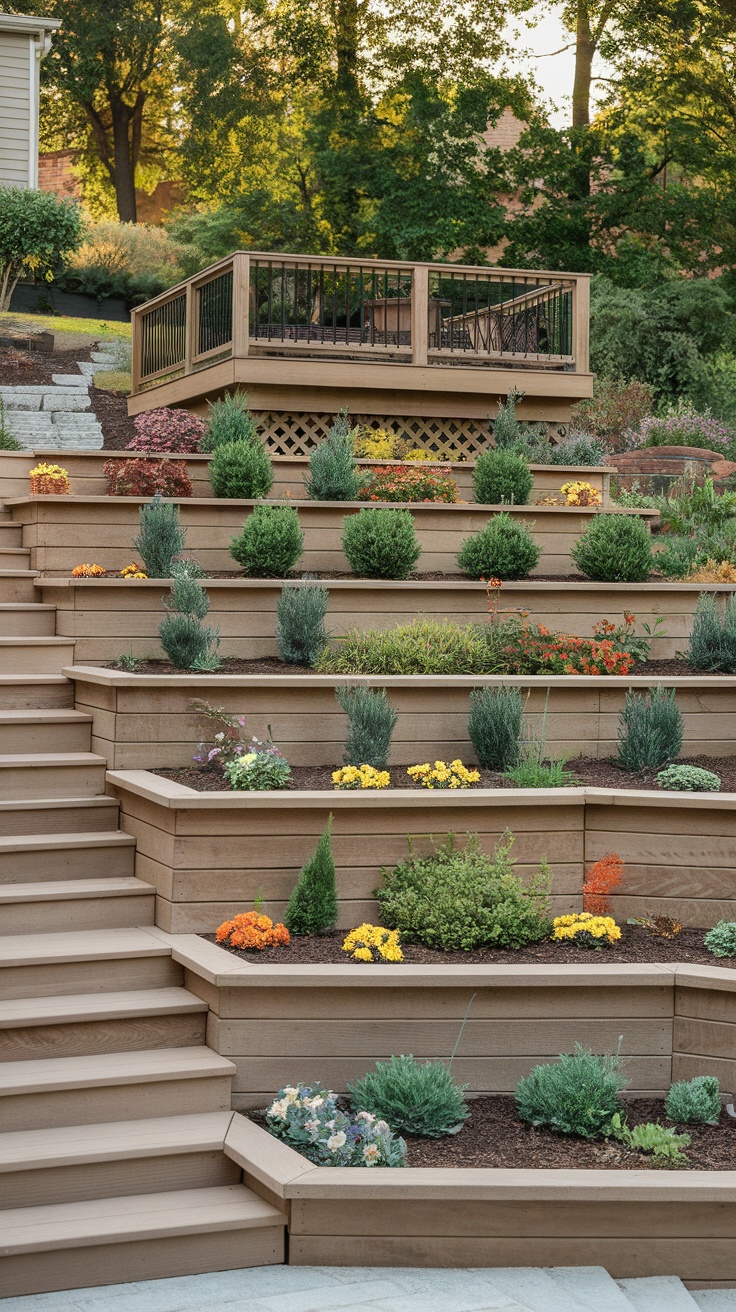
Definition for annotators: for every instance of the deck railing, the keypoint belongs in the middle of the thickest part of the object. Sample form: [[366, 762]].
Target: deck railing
[[323, 308]]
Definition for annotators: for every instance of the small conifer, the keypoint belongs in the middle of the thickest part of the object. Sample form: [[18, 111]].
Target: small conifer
[[312, 906]]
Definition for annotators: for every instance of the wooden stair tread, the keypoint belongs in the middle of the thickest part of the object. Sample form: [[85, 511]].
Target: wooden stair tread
[[81, 1007], [19, 573], [62, 890], [39, 715], [74, 1144], [63, 842], [32, 760], [43, 680], [109, 1069], [79, 945], [25, 605], [103, 802], [138, 1216], [40, 641]]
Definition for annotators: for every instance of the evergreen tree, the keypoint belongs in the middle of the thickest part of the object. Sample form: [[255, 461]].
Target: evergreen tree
[[312, 906]]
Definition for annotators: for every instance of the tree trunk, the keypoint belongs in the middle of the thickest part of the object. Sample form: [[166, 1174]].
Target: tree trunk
[[584, 52], [123, 164], [346, 40]]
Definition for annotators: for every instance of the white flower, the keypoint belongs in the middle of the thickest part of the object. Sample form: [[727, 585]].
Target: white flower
[[249, 758], [311, 1125], [381, 1127], [291, 1094], [314, 1103], [371, 1152], [279, 1108], [336, 1141], [366, 1116], [330, 1124]]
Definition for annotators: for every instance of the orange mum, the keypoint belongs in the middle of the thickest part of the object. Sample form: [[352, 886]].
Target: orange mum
[[251, 930], [602, 878]]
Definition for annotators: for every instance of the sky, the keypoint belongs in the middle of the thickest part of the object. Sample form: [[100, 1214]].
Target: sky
[[554, 74]]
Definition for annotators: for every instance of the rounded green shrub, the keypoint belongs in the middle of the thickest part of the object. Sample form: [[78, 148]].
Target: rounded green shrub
[[694, 1102], [504, 549], [502, 476], [721, 940], [241, 469], [578, 1094], [689, 779], [271, 542], [615, 549], [381, 544], [230, 420], [412, 1097]]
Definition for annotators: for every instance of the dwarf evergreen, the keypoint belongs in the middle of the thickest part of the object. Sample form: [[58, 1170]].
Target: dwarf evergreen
[[312, 906]]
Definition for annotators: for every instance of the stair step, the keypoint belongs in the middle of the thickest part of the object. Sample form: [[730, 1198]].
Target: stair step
[[74, 1163], [17, 584], [76, 903], [81, 1024], [49, 815], [118, 1086], [27, 619], [52, 774], [11, 534], [138, 1236], [35, 655], [57, 730], [13, 557], [63, 856], [658, 1294], [85, 961], [42, 691]]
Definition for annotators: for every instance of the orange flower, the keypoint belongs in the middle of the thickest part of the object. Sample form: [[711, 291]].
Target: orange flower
[[251, 930]]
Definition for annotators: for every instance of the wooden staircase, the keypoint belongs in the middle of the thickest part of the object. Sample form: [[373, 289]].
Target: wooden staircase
[[113, 1160]]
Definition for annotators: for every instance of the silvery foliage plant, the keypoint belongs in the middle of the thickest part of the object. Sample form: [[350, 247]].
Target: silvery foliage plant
[[308, 1118]]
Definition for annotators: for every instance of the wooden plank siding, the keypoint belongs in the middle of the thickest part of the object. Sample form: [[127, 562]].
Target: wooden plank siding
[[110, 616], [63, 531]]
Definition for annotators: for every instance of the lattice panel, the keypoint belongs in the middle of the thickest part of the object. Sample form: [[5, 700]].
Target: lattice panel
[[291, 434]]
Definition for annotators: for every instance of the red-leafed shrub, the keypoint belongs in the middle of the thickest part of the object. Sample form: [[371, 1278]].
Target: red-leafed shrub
[[143, 478], [167, 430], [602, 878]]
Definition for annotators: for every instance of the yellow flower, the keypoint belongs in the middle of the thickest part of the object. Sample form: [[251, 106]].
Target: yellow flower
[[584, 926], [373, 943]]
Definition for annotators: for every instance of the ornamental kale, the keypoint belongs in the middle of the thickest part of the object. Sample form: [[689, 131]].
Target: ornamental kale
[[307, 1117]]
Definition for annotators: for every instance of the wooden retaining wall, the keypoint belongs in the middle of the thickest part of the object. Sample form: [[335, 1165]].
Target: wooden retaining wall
[[146, 721], [109, 616], [65, 531], [210, 854]]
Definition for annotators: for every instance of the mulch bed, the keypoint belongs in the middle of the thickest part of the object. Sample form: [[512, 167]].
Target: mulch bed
[[635, 946], [272, 665], [33, 368], [112, 411], [595, 773], [494, 1136]]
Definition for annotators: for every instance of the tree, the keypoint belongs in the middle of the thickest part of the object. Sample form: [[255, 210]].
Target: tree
[[36, 232]]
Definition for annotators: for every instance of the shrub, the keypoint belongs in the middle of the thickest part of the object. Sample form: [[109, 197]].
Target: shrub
[[415, 1098], [36, 232], [502, 477], [402, 483], [374, 443], [373, 943], [251, 930], [241, 469], [464, 899], [167, 430], [7, 441], [380, 544], [659, 1140], [134, 261], [713, 571], [261, 769], [308, 1118], [602, 878], [689, 779], [333, 469], [712, 645], [579, 449], [353, 777], [576, 1095], [371, 723], [161, 537], [681, 425], [586, 930], [650, 729], [614, 411], [301, 636], [721, 940], [422, 647], [313, 906], [188, 645], [694, 1102], [494, 726], [504, 549], [271, 542], [676, 558], [230, 421], [614, 549], [145, 478], [441, 775]]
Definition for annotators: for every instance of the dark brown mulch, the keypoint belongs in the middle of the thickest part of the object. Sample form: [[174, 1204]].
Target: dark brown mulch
[[272, 665], [34, 368], [112, 412], [636, 945], [595, 773], [495, 1136]]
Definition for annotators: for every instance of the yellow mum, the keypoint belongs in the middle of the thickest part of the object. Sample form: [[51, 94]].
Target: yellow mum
[[373, 943], [360, 776], [581, 494], [585, 929], [441, 775]]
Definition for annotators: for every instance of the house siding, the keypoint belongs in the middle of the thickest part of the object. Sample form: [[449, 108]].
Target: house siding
[[16, 110]]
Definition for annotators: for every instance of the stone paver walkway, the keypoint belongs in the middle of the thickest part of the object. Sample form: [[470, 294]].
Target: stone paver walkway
[[57, 416]]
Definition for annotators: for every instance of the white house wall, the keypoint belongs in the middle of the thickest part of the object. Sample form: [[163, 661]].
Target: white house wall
[[18, 111]]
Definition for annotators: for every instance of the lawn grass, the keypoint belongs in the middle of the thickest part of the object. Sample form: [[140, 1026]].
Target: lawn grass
[[63, 323]]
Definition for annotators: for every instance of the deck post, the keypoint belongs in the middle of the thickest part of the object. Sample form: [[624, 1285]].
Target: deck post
[[241, 304], [419, 313], [581, 323], [136, 354], [190, 328]]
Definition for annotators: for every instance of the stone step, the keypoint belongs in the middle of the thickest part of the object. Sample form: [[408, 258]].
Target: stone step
[[150, 1235], [27, 619], [118, 1086], [35, 655], [77, 1162], [35, 692], [53, 774], [44, 730], [70, 380], [53, 815], [17, 584], [53, 857], [14, 557], [76, 904], [85, 961], [658, 1294], [79, 1024], [11, 535]]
